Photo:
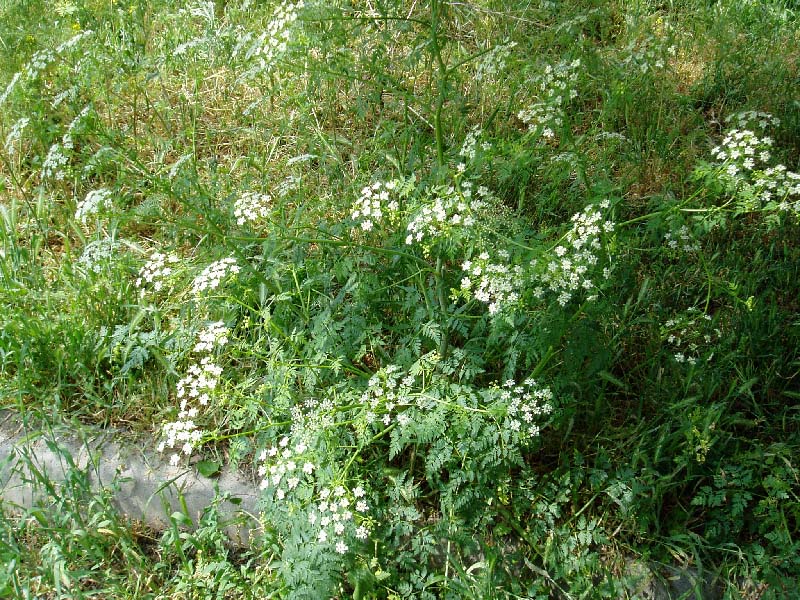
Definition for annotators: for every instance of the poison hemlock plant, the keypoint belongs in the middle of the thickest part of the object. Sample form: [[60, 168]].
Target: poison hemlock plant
[[484, 301]]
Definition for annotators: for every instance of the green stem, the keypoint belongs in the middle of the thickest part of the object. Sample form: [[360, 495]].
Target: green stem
[[439, 274], [374, 439], [709, 278], [510, 520], [436, 50]]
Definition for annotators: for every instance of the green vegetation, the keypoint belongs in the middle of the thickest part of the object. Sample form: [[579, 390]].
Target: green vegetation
[[492, 298]]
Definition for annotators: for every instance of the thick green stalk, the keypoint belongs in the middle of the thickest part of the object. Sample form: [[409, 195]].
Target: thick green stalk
[[436, 50]]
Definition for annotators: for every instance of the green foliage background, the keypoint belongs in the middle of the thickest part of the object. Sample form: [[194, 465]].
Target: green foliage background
[[672, 430]]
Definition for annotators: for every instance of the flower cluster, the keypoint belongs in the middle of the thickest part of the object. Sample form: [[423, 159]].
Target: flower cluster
[[613, 136], [493, 62], [571, 269], [469, 149], [753, 119], [556, 89], [211, 277], [214, 334], [74, 41], [689, 336], [284, 467], [183, 48], [369, 209], [54, 163], [779, 187], [38, 63], [681, 241], [547, 116], [155, 271], [491, 283], [66, 139], [279, 29], [15, 134], [97, 254], [183, 435], [525, 404], [200, 382], [312, 416], [339, 515], [176, 166], [289, 184], [450, 208], [740, 150], [95, 202], [574, 26], [10, 88], [40, 60], [387, 391], [647, 56], [71, 93], [743, 166], [273, 42], [251, 207]]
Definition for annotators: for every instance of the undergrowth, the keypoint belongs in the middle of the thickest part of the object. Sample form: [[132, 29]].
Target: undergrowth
[[493, 299]]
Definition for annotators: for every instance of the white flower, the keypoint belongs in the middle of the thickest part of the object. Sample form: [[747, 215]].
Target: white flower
[[54, 163], [524, 403], [572, 267], [251, 207], [494, 284], [213, 274], [214, 334], [15, 133], [555, 84], [446, 210], [98, 254], [375, 201], [10, 87]]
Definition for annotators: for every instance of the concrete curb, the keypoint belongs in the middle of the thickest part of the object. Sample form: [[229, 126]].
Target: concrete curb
[[144, 487]]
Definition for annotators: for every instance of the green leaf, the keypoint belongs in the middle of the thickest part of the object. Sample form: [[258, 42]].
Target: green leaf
[[606, 376], [208, 468]]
